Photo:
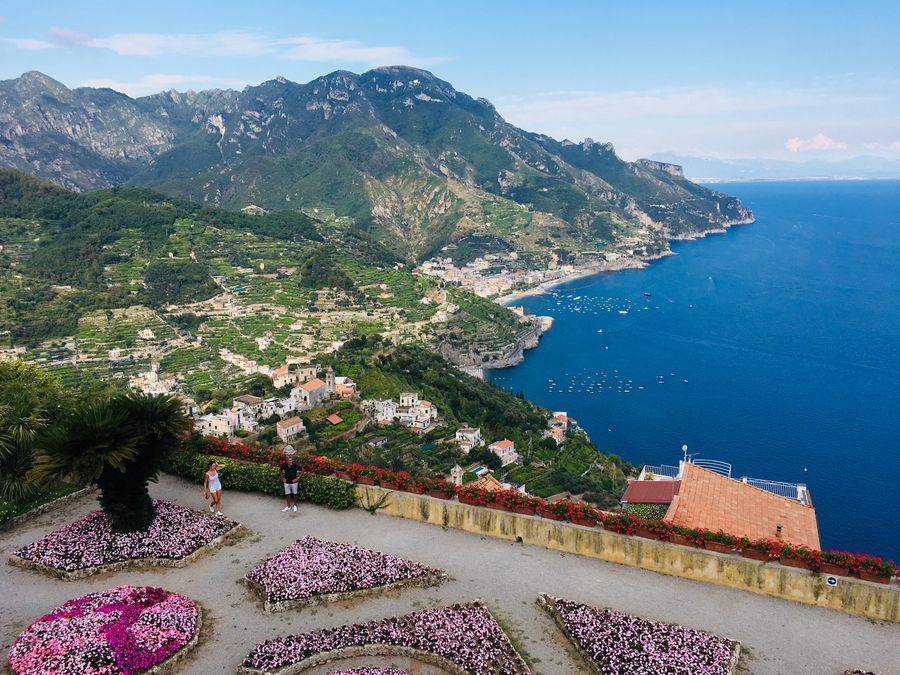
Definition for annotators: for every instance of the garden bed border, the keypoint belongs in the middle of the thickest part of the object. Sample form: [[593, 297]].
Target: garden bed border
[[548, 604], [379, 649], [424, 581], [134, 563]]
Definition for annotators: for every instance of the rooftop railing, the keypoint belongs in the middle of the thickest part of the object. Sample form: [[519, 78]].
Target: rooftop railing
[[796, 491]]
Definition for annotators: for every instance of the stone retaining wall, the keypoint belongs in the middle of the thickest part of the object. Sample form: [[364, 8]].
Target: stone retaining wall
[[863, 598]]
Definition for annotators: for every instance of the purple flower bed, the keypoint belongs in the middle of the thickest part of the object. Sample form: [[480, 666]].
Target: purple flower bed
[[368, 670], [311, 567], [466, 634], [125, 630], [620, 643], [175, 533]]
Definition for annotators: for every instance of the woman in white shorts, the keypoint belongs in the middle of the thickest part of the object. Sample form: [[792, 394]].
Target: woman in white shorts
[[212, 487]]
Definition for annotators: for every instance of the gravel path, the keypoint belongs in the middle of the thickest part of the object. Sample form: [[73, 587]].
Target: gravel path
[[780, 637]]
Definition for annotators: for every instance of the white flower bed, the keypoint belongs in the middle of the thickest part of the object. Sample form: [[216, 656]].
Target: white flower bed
[[124, 630], [466, 635], [621, 644], [90, 542], [312, 569]]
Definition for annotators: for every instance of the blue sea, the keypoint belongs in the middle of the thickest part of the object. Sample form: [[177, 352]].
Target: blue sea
[[774, 347]]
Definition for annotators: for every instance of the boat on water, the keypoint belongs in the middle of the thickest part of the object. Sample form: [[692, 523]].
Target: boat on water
[[648, 295], [623, 311]]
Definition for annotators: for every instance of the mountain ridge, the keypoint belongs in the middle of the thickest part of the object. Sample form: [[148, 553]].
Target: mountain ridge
[[396, 150]]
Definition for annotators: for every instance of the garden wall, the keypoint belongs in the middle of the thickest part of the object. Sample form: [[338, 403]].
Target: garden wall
[[850, 595]]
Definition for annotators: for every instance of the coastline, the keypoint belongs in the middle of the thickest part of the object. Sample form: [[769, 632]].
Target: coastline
[[580, 273]]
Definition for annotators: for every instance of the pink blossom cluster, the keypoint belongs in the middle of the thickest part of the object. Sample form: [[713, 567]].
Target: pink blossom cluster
[[311, 567], [621, 643], [369, 670], [465, 634], [123, 630], [175, 532]]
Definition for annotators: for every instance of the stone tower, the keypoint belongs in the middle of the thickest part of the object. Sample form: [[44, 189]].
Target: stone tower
[[329, 378], [456, 474]]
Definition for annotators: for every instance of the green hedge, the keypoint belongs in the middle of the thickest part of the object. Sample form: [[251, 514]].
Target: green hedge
[[9, 510], [654, 511], [265, 478]]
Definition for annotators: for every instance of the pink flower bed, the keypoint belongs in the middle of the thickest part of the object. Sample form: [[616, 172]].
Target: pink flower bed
[[621, 644], [311, 567], [466, 634], [125, 630], [366, 670], [175, 533]]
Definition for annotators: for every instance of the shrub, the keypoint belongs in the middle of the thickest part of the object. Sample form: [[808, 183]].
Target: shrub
[[264, 478]]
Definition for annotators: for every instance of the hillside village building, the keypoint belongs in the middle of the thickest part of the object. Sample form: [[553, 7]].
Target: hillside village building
[[289, 429], [248, 403], [468, 438], [310, 394], [226, 423], [701, 498], [410, 412], [344, 387], [505, 450]]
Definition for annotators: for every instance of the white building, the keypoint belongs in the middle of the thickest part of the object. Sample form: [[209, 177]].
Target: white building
[[505, 450], [408, 399], [307, 372], [282, 376], [310, 394], [290, 428], [468, 438], [252, 405], [411, 412]]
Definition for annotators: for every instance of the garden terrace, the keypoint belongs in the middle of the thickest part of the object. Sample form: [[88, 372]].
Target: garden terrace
[[89, 545], [312, 570], [506, 575]]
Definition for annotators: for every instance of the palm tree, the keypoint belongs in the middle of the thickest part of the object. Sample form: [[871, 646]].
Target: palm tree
[[119, 444], [30, 400], [20, 423]]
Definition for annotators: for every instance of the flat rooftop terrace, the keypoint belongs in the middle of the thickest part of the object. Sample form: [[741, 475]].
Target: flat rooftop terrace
[[778, 636]]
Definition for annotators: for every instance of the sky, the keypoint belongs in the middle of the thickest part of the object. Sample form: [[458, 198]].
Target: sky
[[790, 80]]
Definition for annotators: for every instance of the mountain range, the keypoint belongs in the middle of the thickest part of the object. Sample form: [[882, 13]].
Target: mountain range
[[395, 151]]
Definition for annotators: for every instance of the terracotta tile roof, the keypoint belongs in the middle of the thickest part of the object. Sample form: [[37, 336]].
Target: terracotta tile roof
[[334, 419], [312, 385], [289, 422], [281, 371], [710, 500], [488, 483], [651, 491], [502, 445]]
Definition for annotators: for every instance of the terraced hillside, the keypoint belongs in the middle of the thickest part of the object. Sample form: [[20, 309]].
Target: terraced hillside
[[108, 282]]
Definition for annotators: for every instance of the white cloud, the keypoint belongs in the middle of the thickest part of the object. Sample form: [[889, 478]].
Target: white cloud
[[817, 142], [157, 82], [312, 48], [27, 43], [224, 43], [892, 146], [231, 43]]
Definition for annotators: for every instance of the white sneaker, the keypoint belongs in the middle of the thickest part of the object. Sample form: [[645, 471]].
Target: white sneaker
[[220, 514], [212, 509], [295, 509], [286, 509]]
